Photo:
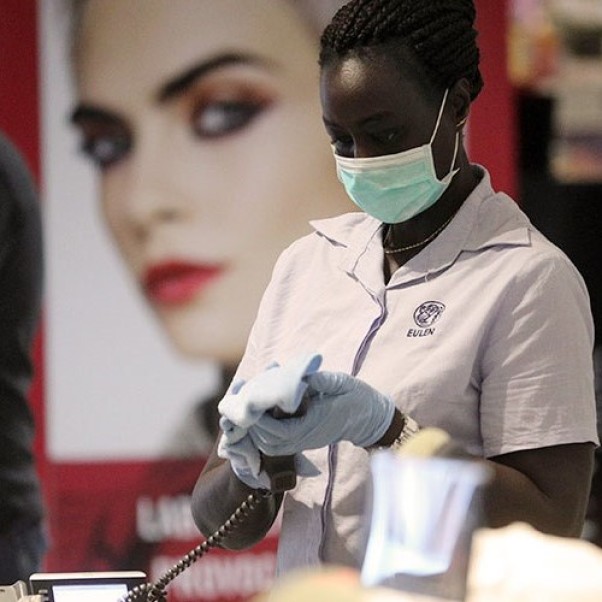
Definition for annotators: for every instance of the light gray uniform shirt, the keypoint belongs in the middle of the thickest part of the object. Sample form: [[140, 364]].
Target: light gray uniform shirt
[[486, 333]]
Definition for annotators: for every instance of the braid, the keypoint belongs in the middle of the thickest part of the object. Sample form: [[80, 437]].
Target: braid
[[439, 33]]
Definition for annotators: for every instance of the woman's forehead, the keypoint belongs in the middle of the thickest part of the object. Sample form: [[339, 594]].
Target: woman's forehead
[[158, 37], [358, 85]]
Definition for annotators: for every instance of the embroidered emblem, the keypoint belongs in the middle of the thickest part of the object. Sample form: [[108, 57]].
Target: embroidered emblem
[[428, 313]]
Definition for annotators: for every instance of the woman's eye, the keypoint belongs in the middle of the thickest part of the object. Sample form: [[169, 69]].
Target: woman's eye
[[222, 118], [387, 137], [107, 150], [343, 146]]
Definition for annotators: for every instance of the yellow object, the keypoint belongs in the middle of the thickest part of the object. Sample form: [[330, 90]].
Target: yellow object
[[427, 442]]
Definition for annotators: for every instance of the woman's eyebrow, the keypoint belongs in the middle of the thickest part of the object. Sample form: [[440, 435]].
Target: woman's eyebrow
[[182, 81], [86, 112], [373, 118]]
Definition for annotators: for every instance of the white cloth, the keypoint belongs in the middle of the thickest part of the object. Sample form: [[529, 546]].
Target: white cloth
[[486, 333], [279, 387]]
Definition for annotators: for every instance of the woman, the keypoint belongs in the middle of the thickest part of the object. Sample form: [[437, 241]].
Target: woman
[[203, 119], [440, 306]]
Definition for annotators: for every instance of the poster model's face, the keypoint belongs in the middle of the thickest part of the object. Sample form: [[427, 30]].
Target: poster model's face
[[203, 117]]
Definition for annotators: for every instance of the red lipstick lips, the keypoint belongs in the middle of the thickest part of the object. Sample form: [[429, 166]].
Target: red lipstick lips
[[174, 282]]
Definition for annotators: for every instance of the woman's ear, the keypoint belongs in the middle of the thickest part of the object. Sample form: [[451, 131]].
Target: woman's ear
[[460, 101]]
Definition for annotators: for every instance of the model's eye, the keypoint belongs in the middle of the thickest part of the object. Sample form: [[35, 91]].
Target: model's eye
[[222, 118], [105, 150]]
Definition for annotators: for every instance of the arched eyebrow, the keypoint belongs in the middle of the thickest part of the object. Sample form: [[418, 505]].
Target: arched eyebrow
[[86, 112], [181, 82], [173, 87]]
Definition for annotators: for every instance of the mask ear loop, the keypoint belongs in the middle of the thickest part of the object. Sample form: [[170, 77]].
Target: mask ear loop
[[439, 116], [457, 140], [456, 146]]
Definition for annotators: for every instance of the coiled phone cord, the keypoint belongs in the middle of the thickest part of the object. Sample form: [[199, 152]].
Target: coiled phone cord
[[282, 475], [155, 592]]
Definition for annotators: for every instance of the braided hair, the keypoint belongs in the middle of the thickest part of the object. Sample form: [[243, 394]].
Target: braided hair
[[435, 37]]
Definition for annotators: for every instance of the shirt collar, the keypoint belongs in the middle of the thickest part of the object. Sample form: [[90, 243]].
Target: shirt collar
[[485, 219]]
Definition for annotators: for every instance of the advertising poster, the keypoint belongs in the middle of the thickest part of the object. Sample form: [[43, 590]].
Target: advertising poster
[[182, 151]]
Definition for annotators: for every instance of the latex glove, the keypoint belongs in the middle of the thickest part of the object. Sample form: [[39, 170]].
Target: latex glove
[[340, 408], [278, 386], [245, 461]]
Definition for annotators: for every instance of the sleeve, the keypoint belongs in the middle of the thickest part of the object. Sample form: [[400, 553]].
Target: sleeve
[[21, 275], [537, 368]]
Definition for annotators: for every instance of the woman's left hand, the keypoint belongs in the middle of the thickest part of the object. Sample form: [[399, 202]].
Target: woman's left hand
[[339, 408]]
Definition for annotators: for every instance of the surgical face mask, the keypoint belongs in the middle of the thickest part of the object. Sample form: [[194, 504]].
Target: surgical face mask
[[395, 188]]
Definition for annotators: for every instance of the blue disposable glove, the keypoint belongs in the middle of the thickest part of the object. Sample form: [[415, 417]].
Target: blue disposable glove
[[340, 408], [245, 461], [279, 386]]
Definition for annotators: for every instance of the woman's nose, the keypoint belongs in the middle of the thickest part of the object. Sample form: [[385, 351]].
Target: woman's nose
[[363, 149], [149, 199]]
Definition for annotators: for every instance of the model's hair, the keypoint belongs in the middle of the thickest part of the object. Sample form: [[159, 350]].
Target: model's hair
[[437, 36]]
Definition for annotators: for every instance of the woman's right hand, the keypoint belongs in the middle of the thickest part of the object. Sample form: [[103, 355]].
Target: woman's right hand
[[277, 388]]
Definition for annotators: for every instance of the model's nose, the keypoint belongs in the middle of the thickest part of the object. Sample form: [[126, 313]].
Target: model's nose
[[148, 198]]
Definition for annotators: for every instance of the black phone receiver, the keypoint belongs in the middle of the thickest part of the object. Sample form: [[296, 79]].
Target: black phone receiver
[[281, 469]]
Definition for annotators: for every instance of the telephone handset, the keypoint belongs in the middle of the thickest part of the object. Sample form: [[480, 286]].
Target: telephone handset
[[155, 592], [283, 477], [281, 469]]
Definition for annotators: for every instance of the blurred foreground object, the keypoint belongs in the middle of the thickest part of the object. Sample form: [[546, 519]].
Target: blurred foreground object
[[423, 512], [330, 584], [511, 564], [519, 564]]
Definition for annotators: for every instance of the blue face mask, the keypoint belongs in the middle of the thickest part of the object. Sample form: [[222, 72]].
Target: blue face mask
[[395, 188]]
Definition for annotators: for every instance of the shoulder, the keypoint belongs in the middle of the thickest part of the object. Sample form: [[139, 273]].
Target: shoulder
[[498, 223], [328, 237], [15, 177]]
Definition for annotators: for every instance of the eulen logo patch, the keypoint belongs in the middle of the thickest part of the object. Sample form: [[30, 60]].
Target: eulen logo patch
[[425, 315]]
